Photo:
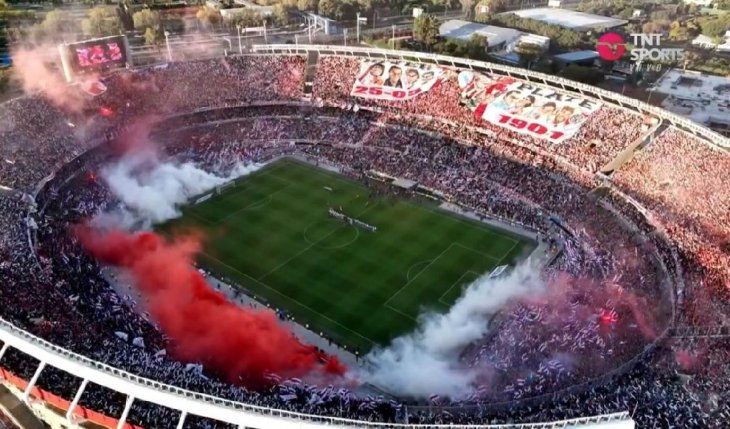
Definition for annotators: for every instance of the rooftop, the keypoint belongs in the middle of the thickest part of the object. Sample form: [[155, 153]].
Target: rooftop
[[460, 29], [700, 97], [570, 19], [570, 57], [463, 30]]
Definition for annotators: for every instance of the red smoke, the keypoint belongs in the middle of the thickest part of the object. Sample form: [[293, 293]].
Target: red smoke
[[37, 71], [242, 345], [135, 138]]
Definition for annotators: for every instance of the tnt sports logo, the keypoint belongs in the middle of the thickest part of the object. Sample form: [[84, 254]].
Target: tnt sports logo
[[611, 46], [646, 49]]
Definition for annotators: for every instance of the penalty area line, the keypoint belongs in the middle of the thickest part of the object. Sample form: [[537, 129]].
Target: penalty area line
[[285, 296], [418, 274]]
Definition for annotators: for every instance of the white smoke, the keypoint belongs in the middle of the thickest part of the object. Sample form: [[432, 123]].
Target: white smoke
[[426, 361], [153, 191]]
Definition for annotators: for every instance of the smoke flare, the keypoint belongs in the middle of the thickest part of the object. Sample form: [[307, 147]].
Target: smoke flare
[[240, 344], [35, 69], [426, 361]]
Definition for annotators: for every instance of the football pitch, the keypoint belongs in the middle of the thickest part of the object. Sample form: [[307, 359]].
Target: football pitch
[[272, 234]]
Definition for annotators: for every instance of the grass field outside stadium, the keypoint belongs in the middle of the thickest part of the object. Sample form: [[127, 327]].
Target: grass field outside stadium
[[272, 234]]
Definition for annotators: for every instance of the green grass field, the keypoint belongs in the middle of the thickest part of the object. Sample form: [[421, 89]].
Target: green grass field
[[272, 234]]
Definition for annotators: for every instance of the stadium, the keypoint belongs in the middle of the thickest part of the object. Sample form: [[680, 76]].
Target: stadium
[[353, 237]]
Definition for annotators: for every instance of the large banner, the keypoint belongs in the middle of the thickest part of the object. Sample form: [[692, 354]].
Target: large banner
[[523, 107], [394, 80]]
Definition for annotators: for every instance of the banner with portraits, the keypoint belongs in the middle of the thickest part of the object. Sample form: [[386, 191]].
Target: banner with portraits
[[524, 107], [394, 80]]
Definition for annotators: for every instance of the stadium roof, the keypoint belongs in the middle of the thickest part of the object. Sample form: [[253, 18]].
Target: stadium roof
[[574, 20], [463, 30]]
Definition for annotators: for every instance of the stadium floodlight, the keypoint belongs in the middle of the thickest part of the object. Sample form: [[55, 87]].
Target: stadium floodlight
[[167, 43], [359, 19], [240, 48]]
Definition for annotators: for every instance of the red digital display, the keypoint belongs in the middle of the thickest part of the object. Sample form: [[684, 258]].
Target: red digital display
[[96, 54]]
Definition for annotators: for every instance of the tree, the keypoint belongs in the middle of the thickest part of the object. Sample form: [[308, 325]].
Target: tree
[[528, 53], [125, 10], [248, 18], [493, 6], [307, 5], [4, 79], [337, 9], [328, 7], [716, 27], [626, 13], [426, 29], [146, 18], [280, 14], [467, 6], [54, 26], [476, 49], [152, 36], [663, 15], [3, 5], [655, 26], [208, 16], [101, 21], [365, 6], [679, 31], [568, 39]]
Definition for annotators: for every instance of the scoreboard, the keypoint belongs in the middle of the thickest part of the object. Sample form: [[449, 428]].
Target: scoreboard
[[94, 55]]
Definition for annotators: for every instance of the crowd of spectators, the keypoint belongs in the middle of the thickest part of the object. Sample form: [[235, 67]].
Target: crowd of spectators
[[682, 181], [181, 87], [33, 133], [54, 290]]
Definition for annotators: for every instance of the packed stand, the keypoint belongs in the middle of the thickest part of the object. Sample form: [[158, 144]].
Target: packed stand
[[682, 181]]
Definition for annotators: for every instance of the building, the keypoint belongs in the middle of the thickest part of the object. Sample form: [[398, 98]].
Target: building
[[229, 13], [498, 38], [703, 3], [706, 42], [701, 97], [262, 10], [571, 19], [327, 25]]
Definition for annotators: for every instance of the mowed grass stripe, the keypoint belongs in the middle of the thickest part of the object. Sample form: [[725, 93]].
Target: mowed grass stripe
[[331, 276]]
